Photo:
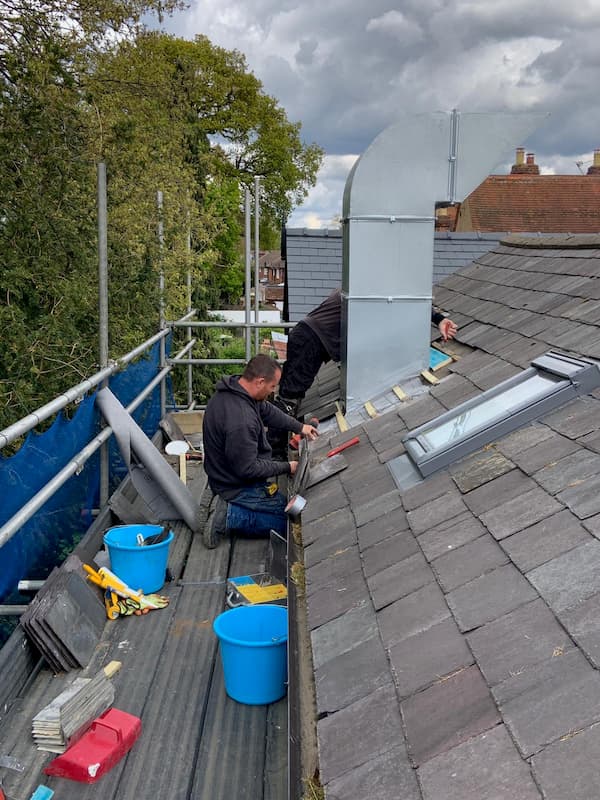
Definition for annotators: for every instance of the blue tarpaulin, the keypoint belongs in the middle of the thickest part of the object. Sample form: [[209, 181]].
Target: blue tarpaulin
[[52, 532]]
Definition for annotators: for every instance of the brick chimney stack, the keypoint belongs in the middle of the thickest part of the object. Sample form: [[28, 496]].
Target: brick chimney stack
[[522, 166], [595, 168]]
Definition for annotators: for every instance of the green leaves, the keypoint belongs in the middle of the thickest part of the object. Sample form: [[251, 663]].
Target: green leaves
[[183, 117]]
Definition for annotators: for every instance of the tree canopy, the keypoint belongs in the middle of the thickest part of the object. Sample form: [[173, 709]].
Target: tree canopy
[[183, 117]]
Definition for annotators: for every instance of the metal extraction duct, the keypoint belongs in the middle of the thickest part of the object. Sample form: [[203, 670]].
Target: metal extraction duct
[[388, 215]]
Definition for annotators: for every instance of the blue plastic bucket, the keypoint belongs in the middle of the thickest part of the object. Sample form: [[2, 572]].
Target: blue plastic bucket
[[140, 567], [253, 643]]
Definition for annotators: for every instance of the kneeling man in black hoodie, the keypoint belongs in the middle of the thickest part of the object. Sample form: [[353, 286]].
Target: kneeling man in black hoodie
[[237, 454]]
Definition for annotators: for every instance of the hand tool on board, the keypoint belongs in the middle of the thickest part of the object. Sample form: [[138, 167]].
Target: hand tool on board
[[340, 448], [108, 580], [178, 448]]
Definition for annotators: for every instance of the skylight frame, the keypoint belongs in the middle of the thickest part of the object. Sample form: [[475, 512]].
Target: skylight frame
[[567, 377]]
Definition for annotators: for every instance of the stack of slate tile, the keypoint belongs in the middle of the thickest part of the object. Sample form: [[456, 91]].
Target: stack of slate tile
[[69, 715], [66, 618]]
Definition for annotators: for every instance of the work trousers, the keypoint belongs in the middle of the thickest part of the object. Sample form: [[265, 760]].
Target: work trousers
[[305, 355], [255, 511]]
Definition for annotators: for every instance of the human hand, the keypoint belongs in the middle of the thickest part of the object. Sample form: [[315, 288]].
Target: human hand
[[310, 432], [293, 467], [447, 329]]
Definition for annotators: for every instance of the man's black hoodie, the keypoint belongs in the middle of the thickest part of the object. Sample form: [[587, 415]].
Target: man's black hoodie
[[237, 453]]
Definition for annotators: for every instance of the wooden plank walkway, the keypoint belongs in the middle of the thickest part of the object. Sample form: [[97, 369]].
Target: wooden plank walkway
[[196, 742]]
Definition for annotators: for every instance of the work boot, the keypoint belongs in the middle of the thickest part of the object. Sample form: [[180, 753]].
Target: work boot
[[216, 524]]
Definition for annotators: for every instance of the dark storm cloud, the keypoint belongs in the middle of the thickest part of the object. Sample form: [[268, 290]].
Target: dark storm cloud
[[346, 69]]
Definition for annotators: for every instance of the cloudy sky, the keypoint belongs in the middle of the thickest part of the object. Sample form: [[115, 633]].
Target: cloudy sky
[[346, 69]]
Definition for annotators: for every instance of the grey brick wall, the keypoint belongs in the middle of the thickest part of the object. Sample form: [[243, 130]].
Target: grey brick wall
[[454, 250], [314, 267], [314, 262]]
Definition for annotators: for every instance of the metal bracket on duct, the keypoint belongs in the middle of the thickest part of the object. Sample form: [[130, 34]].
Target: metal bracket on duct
[[151, 475], [388, 209]]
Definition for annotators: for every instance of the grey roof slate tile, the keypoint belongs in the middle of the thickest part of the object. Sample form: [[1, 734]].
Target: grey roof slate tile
[[516, 303], [422, 493], [388, 425], [523, 356], [592, 524], [361, 494], [458, 773], [454, 390], [419, 411], [569, 578], [488, 597], [465, 563], [374, 721], [517, 641], [523, 439], [545, 453], [393, 549], [569, 470], [448, 713], [591, 441], [570, 768], [479, 468], [583, 624], [450, 534], [498, 491], [493, 374], [412, 614], [336, 525], [519, 513], [382, 528], [333, 569], [545, 540], [356, 626], [389, 776], [355, 479], [351, 676], [399, 579], [540, 706], [331, 533], [576, 419], [584, 498], [376, 507], [468, 364], [436, 511], [325, 497], [420, 660], [391, 452], [333, 600]]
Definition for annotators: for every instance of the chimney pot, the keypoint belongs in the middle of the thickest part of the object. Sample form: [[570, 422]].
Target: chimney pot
[[521, 167], [595, 168]]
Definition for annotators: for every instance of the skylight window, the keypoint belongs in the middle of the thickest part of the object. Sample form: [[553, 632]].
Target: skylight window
[[552, 380]]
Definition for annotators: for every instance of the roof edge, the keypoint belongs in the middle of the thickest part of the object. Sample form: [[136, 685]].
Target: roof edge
[[579, 241]]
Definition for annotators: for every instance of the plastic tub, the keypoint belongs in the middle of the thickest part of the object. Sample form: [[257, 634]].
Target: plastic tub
[[253, 643], [140, 567]]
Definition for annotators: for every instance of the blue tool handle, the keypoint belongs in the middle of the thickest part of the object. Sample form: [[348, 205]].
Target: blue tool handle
[[42, 793]]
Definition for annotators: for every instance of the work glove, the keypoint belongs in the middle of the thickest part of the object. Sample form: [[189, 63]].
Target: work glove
[[129, 606]]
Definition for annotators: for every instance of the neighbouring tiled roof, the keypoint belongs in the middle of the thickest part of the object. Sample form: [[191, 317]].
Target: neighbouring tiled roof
[[543, 203], [455, 626]]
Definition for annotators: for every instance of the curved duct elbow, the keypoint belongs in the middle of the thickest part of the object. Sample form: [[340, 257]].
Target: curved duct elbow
[[389, 215]]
